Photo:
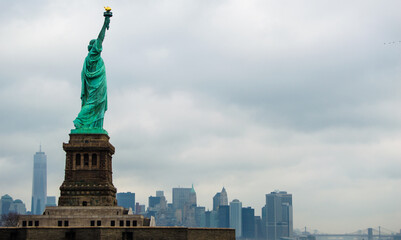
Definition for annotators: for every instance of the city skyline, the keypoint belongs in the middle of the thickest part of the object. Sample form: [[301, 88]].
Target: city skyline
[[248, 95]]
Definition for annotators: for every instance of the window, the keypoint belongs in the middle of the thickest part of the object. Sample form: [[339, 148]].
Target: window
[[134, 223], [92, 223], [65, 223], [78, 159], [30, 223], [86, 159], [127, 223], [94, 159], [121, 223], [84, 203], [60, 223], [99, 223], [112, 223], [36, 223], [24, 223]]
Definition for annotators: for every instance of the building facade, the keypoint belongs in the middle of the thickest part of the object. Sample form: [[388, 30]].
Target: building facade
[[248, 223], [126, 200], [51, 201], [39, 185], [236, 217], [220, 199], [5, 204], [279, 219]]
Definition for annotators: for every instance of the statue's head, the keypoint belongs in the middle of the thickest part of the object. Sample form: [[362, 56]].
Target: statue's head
[[91, 44]]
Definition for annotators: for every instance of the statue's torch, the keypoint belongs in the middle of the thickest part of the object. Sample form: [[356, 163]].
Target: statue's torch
[[107, 14]]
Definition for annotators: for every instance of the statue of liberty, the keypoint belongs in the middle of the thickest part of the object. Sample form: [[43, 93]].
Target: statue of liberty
[[94, 86]]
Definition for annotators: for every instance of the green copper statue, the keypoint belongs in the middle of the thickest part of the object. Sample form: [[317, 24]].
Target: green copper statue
[[94, 86]]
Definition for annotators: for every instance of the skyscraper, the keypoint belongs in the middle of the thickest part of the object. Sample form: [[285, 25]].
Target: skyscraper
[[279, 221], [51, 201], [216, 201], [220, 199], [39, 186], [7, 205], [223, 198], [126, 200], [6, 202], [236, 217], [18, 207], [248, 222], [223, 216], [184, 204], [183, 196]]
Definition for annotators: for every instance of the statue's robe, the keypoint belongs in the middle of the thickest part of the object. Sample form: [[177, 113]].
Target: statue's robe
[[93, 91]]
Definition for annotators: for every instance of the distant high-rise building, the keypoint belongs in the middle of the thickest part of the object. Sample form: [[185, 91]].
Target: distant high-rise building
[[279, 219], [51, 201], [216, 201], [248, 223], [6, 202], [223, 198], [159, 193], [140, 209], [200, 217], [236, 217], [183, 196], [223, 216], [39, 186], [7, 205], [126, 200], [211, 219], [153, 202], [259, 228], [220, 199], [18, 207]]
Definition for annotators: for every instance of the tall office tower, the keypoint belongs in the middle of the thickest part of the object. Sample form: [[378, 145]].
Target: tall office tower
[[51, 201], [259, 229], [159, 193], [223, 198], [216, 201], [39, 186], [264, 221], [223, 217], [183, 196], [236, 217], [248, 222], [18, 207], [126, 200], [220, 199], [211, 219], [184, 204], [5, 203], [140, 209], [279, 218], [200, 216]]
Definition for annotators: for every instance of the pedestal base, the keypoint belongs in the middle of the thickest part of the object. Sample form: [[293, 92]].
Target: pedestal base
[[88, 177]]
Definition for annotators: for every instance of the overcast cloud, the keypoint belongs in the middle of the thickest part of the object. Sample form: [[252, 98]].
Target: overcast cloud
[[255, 95]]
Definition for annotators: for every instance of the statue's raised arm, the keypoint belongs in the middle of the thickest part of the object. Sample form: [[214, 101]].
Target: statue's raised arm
[[102, 33]]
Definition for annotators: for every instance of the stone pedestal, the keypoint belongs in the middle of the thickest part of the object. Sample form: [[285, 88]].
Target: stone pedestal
[[88, 177]]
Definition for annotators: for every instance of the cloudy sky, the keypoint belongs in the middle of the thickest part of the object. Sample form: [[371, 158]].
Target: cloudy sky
[[252, 95]]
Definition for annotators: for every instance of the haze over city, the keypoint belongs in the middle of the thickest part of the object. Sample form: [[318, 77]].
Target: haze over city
[[301, 96]]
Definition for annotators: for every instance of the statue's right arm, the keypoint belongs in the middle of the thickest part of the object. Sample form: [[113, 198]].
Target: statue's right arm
[[102, 33]]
